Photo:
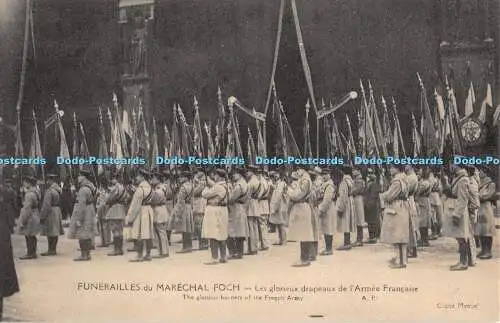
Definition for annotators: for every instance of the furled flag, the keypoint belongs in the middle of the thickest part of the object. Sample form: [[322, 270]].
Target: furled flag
[[36, 147], [469, 102], [487, 102]]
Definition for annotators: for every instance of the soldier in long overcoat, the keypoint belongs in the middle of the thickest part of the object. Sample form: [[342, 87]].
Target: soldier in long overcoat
[[51, 215], [11, 199], [182, 214], [422, 200], [359, 208], [302, 227], [9, 284], [263, 202], [29, 219], [117, 202], [436, 205], [371, 202], [215, 221], [102, 210], [170, 196], [161, 216], [456, 223], [83, 226], [345, 207], [278, 207], [396, 218], [238, 210], [412, 181], [485, 227], [199, 204], [474, 205], [314, 200], [327, 211], [253, 209], [140, 216]]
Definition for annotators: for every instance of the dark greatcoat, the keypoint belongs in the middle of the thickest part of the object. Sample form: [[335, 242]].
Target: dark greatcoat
[[50, 214], [83, 224], [8, 276], [371, 199]]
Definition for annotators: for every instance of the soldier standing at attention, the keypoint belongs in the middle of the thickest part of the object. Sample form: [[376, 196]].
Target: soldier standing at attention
[[215, 221], [102, 210], [456, 223], [161, 215], [183, 211], [263, 218], [396, 220], [371, 203], [116, 201], [412, 181], [474, 205], [29, 220], [326, 210], [238, 210], [253, 209], [140, 217], [436, 205], [199, 204], [359, 208], [301, 215], [51, 216], [422, 200], [170, 189], [345, 207], [279, 207], [485, 227], [83, 225], [314, 199]]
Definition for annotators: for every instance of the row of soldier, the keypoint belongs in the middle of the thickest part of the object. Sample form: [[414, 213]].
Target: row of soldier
[[224, 210]]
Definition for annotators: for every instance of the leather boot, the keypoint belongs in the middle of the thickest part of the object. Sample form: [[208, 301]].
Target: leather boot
[[304, 256], [149, 247], [462, 264], [116, 248], [359, 237], [214, 250], [480, 241], [313, 250], [470, 262], [424, 234], [187, 243], [412, 252], [139, 244], [85, 246], [328, 245], [51, 247], [347, 242], [223, 251], [398, 263], [29, 249], [487, 244]]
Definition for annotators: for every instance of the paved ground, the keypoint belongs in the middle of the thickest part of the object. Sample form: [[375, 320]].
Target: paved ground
[[50, 287]]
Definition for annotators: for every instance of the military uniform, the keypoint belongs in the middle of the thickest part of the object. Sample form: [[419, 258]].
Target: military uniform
[[302, 227], [278, 209], [485, 227], [170, 196], [436, 206], [422, 200], [238, 222], [371, 203], [102, 210], [51, 218], [345, 211], [199, 204], [182, 215], [263, 218], [116, 202], [29, 221], [161, 218], [412, 181], [140, 217], [456, 223], [253, 214], [215, 221], [327, 213], [83, 225], [359, 209], [396, 218]]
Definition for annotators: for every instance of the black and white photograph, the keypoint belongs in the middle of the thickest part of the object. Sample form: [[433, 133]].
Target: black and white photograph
[[249, 160]]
